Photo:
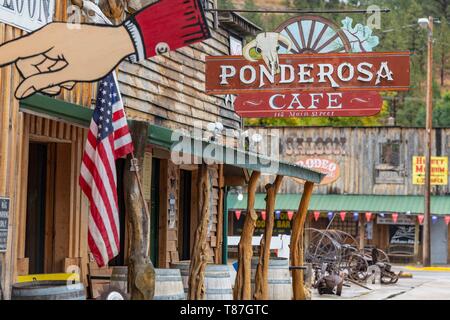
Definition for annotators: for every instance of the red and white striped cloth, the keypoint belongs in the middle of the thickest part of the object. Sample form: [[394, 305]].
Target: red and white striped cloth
[[108, 139]]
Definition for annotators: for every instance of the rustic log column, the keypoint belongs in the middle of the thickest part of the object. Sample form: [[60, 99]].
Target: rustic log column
[[220, 235], [416, 240], [242, 286], [200, 251], [141, 274], [262, 270], [296, 246], [362, 232]]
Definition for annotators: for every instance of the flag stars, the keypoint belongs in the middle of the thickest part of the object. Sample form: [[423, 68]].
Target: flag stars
[[108, 97]]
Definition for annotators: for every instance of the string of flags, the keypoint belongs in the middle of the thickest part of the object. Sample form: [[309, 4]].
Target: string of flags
[[369, 216]]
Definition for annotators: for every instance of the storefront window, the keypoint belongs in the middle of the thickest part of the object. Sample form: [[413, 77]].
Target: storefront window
[[390, 154]]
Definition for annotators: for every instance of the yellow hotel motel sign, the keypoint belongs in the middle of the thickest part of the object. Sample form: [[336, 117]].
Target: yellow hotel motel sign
[[439, 170]]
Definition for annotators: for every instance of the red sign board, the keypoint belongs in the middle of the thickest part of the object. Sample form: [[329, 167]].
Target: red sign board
[[369, 71], [305, 104]]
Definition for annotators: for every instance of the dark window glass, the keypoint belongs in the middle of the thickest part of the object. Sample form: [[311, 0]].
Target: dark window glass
[[390, 153]]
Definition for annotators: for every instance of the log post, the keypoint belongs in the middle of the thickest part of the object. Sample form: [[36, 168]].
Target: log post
[[220, 234], [362, 232], [141, 274], [416, 241], [296, 246], [242, 286], [262, 270], [200, 250]]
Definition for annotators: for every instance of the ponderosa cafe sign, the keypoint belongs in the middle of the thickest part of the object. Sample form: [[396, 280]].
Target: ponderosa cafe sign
[[310, 85]]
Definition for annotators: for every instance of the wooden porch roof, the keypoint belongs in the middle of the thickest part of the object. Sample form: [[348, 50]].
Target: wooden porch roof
[[163, 137]]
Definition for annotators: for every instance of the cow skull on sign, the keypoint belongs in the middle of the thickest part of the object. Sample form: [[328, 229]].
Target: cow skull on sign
[[267, 44]]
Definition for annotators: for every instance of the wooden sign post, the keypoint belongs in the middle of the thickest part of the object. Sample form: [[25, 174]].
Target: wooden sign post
[[141, 273]]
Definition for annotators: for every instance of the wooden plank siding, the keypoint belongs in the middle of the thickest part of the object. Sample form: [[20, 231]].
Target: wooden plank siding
[[16, 129], [166, 90], [170, 248], [169, 90], [358, 153]]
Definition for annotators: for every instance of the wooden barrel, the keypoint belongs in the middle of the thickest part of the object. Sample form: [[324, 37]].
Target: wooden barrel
[[169, 285], [119, 278], [48, 290], [183, 266], [217, 280], [279, 279]]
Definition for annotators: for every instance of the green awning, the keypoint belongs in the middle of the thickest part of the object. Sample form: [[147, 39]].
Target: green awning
[[164, 137], [440, 205]]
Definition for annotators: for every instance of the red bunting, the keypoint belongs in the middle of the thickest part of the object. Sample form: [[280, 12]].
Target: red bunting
[[395, 217], [342, 214], [447, 220], [316, 215], [290, 215], [368, 216], [238, 214], [263, 215], [420, 217]]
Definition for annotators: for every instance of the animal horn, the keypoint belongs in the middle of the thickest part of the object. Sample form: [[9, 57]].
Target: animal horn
[[246, 51], [286, 41]]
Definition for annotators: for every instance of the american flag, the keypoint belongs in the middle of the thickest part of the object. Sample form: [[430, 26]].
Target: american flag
[[108, 140]]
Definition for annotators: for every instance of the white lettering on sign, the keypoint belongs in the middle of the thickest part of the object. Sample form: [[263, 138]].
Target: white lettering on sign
[[28, 15], [281, 101], [327, 73], [4, 214], [326, 166]]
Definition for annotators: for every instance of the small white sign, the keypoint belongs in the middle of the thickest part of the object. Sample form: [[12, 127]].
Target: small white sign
[[28, 15], [401, 220]]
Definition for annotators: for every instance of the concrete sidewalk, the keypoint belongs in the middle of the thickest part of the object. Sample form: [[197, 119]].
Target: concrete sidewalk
[[424, 285]]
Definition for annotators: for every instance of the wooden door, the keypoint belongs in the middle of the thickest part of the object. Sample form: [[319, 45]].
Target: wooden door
[[184, 227], [36, 208], [154, 212]]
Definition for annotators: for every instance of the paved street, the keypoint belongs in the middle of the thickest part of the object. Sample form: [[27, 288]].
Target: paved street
[[424, 285]]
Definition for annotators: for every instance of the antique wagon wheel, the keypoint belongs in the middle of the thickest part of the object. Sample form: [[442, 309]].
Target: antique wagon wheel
[[312, 34], [357, 268], [382, 256], [322, 248]]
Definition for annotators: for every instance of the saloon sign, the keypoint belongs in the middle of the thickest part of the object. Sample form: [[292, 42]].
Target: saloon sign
[[28, 15], [338, 72]]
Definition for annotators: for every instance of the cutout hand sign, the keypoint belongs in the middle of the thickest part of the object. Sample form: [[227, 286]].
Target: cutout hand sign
[[59, 55]]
